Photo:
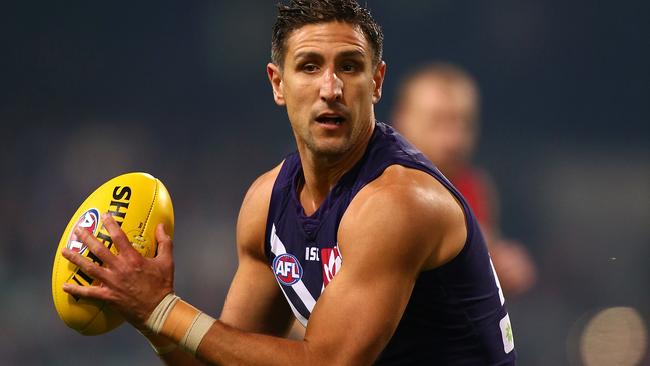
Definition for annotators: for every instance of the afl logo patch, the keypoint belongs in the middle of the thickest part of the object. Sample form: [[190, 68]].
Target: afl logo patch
[[88, 221], [287, 269]]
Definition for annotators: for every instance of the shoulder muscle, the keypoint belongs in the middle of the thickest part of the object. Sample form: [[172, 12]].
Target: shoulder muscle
[[251, 223], [425, 223]]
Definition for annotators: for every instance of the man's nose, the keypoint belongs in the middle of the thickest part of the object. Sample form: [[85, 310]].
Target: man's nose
[[331, 88]]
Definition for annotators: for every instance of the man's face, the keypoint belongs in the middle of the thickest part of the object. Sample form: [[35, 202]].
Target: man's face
[[437, 116], [329, 85]]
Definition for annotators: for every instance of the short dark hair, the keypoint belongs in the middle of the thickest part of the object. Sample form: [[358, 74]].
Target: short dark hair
[[298, 13]]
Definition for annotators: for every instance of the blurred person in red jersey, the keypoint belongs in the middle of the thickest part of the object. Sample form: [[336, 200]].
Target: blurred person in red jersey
[[437, 109]]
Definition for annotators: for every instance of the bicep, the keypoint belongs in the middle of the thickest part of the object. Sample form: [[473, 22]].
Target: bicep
[[255, 302], [358, 313]]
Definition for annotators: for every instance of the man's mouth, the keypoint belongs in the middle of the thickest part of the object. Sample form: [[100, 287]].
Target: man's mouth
[[330, 119]]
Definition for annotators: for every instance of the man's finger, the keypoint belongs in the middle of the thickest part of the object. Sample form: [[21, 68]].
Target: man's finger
[[92, 292], [95, 246], [118, 236], [165, 244], [88, 266]]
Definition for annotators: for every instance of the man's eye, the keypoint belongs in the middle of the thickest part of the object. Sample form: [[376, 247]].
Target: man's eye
[[310, 68], [349, 68]]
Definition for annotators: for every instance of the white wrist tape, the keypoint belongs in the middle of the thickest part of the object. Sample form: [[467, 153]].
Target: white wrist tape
[[161, 312], [194, 335], [180, 322]]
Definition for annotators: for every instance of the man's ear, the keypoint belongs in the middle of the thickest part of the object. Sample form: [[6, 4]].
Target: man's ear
[[378, 81], [275, 77]]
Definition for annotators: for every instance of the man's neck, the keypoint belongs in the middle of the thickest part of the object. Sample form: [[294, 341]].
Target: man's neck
[[322, 172]]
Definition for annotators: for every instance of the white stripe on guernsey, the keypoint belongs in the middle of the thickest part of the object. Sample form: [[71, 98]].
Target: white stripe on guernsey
[[496, 279], [296, 313], [299, 287]]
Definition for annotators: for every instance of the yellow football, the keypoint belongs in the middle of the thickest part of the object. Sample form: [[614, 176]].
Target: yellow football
[[138, 202]]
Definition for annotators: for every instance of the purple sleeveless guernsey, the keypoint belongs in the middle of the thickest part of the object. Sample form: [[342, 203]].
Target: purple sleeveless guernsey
[[456, 314]]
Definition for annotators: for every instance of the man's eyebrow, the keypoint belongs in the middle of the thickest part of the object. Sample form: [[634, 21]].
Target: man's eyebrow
[[316, 55], [351, 54], [307, 54]]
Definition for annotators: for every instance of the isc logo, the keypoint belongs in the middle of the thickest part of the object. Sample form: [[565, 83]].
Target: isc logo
[[287, 269]]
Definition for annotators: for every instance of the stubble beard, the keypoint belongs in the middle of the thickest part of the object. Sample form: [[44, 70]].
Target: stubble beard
[[331, 152], [328, 151]]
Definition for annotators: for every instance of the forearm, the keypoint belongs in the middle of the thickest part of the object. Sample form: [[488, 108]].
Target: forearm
[[217, 343], [225, 345]]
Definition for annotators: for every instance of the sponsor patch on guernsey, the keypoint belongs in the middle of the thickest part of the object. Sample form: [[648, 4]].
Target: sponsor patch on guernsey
[[506, 334], [88, 221], [332, 261], [287, 269]]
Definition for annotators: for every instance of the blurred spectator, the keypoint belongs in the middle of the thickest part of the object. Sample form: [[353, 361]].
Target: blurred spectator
[[437, 109]]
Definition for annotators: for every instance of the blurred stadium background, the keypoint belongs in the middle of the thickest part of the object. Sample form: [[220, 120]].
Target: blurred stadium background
[[91, 90]]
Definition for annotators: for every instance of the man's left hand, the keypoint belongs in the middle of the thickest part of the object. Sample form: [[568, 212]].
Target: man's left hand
[[130, 283]]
